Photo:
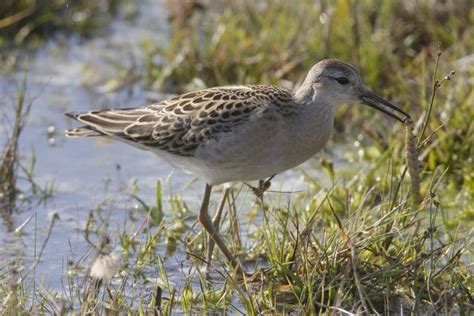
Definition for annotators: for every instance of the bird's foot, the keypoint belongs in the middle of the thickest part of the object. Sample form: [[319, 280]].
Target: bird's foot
[[263, 186]]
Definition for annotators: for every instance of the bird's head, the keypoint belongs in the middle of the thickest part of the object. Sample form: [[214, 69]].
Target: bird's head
[[332, 82]]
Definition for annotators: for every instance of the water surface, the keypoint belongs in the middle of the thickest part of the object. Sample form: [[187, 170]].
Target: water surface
[[70, 74]]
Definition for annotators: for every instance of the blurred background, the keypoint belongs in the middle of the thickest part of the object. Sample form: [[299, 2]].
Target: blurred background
[[58, 56]]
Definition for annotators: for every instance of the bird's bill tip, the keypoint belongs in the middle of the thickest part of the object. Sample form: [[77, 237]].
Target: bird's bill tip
[[378, 103]]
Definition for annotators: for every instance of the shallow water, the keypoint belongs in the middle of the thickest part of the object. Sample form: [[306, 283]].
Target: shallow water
[[85, 172]]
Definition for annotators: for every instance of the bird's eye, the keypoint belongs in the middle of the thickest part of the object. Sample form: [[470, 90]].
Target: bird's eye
[[342, 80]]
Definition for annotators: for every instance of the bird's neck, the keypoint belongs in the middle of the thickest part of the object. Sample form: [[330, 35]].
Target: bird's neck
[[315, 115], [314, 126], [304, 93], [316, 106]]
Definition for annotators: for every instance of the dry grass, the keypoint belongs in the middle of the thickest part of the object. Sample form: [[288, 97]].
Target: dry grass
[[372, 242]]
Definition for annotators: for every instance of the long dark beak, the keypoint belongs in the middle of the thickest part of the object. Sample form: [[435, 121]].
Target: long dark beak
[[376, 102]]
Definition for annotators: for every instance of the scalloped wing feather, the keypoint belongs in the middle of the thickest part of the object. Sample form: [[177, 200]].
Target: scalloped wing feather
[[180, 124]]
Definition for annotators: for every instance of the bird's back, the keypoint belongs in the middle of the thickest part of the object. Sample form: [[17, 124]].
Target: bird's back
[[181, 124]]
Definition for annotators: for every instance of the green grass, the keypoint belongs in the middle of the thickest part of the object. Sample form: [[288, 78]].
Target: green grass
[[267, 45], [28, 21], [12, 169], [393, 45], [9, 163], [25, 24], [358, 244]]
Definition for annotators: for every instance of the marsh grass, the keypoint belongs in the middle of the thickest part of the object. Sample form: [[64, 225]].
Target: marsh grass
[[360, 244], [27, 22], [12, 167], [392, 43], [24, 25], [325, 250], [10, 160], [276, 42]]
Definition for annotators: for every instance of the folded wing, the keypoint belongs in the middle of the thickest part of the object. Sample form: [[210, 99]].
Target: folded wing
[[179, 125]]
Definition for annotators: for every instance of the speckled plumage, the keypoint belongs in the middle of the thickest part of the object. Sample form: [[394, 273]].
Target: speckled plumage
[[181, 124], [238, 133]]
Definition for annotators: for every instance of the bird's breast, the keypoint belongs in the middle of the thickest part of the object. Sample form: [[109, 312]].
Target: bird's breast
[[260, 149]]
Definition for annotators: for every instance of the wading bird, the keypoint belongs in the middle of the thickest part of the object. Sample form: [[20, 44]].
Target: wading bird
[[240, 132]]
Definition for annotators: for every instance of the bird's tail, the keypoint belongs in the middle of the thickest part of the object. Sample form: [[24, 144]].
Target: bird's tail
[[82, 131]]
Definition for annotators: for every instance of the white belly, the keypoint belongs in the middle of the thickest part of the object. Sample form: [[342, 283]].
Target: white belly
[[256, 151]]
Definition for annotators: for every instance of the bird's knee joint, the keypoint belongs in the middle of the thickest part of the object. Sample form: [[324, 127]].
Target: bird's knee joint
[[204, 218]]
